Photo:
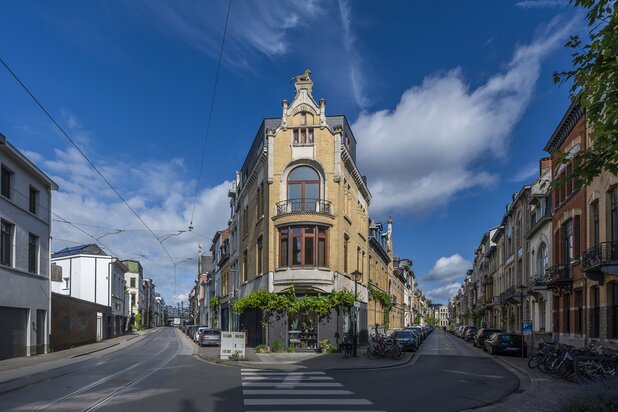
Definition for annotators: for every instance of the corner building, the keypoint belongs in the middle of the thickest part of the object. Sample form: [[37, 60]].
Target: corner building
[[303, 220]]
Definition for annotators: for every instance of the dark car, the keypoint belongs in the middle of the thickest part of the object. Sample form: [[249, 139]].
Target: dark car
[[407, 340], [469, 333], [482, 335], [505, 343], [208, 336]]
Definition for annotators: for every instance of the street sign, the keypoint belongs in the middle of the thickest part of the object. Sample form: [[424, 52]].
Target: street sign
[[232, 342], [356, 304], [526, 328]]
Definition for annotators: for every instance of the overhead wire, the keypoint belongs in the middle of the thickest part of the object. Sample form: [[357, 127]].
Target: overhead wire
[[210, 111], [83, 154]]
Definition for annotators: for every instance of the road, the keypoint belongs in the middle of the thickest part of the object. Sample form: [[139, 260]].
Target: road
[[159, 373]]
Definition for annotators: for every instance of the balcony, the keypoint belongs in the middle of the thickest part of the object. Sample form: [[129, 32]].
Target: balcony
[[538, 280], [600, 259], [304, 206], [510, 295], [559, 277]]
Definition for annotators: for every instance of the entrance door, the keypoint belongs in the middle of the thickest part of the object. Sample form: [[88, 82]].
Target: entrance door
[[40, 331], [13, 332], [99, 326]]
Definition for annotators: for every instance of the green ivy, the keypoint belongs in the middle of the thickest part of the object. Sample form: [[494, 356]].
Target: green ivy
[[385, 301], [269, 302], [214, 302]]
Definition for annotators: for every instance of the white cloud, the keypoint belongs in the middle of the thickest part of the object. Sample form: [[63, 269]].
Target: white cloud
[[160, 194], [357, 81], [260, 27], [526, 173], [448, 269], [422, 153], [443, 294], [541, 4]]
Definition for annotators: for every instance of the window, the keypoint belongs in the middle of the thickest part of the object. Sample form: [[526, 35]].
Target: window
[[303, 136], [595, 311], [33, 199], [303, 246], [245, 266], [345, 253], [542, 260], [568, 242], [33, 258], [303, 188], [132, 282], [6, 179], [260, 201], [6, 243], [259, 253], [613, 215], [225, 284], [594, 224]]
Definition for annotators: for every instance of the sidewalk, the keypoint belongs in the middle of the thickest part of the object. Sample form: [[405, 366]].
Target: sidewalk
[[538, 391], [23, 366], [302, 360]]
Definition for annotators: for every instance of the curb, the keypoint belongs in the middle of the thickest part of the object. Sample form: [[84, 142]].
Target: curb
[[94, 351], [264, 365]]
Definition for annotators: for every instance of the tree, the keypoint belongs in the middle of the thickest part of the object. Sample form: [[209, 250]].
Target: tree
[[595, 87], [431, 320]]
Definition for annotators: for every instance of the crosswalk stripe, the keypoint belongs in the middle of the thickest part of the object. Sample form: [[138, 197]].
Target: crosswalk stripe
[[292, 383], [289, 378], [322, 410], [282, 373], [295, 392], [303, 401]]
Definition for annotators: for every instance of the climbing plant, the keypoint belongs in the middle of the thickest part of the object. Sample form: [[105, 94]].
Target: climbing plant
[[377, 295]]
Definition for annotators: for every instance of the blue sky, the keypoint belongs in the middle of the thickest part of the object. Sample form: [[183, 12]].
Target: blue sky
[[451, 103]]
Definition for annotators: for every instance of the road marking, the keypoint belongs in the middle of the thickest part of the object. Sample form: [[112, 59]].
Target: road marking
[[282, 373], [295, 384], [474, 374], [287, 378], [303, 401], [295, 392]]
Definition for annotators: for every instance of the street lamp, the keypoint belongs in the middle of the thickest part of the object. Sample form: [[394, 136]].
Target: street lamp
[[521, 316], [356, 275]]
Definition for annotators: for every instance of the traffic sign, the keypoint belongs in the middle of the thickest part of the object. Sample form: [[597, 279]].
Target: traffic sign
[[526, 328]]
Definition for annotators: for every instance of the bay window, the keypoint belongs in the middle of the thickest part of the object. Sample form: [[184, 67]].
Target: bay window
[[303, 246]]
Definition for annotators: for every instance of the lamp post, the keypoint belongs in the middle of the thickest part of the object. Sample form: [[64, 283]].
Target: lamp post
[[356, 275], [521, 316]]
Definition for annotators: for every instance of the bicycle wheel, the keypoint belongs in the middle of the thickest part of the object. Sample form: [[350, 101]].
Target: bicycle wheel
[[396, 352], [565, 370], [533, 362]]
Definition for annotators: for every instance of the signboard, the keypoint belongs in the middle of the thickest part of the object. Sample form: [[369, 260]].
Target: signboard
[[356, 304], [526, 328], [232, 342]]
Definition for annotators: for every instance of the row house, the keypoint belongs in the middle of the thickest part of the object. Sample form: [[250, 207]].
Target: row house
[[554, 258], [299, 220], [25, 227], [88, 273], [134, 282]]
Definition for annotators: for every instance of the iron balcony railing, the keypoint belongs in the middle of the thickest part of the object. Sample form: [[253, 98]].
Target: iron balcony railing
[[538, 279], [558, 274], [319, 206], [605, 253]]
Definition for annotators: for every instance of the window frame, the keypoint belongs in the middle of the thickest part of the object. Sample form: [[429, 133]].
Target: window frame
[[7, 232], [33, 253], [6, 181], [290, 234]]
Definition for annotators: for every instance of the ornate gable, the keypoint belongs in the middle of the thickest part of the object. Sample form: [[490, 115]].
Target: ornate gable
[[303, 101]]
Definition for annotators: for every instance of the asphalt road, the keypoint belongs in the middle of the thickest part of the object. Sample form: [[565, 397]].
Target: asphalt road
[[159, 373]]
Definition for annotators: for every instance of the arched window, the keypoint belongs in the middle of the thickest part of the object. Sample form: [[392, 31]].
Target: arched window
[[542, 261], [303, 188]]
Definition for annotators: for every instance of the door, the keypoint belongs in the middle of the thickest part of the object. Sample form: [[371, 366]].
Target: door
[[14, 332], [99, 326], [40, 331]]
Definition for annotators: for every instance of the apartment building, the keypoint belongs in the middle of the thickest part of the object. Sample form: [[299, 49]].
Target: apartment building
[[134, 280], [25, 220]]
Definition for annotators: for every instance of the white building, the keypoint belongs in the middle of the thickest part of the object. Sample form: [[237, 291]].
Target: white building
[[441, 315], [134, 280], [86, 272], [25, 219]]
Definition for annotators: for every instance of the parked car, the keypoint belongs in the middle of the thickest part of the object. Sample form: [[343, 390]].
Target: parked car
[[418, 336], [505, 343], [469, 334], [482, 335], [209, 336], [420, 330], [407, 339], [464, 329], [195, 333]]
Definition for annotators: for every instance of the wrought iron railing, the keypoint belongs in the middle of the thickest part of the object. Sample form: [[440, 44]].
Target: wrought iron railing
[[538, 279], [605, 253], [558, 274], [304, 206]]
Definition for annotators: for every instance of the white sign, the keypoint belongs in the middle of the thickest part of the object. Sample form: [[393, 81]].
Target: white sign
[[232, 342], [356, 304]]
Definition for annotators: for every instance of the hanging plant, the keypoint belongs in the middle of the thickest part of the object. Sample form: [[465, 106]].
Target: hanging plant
[[214, 302]]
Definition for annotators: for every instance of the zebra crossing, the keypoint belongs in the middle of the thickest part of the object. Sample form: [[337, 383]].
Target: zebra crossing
[[271, 390]]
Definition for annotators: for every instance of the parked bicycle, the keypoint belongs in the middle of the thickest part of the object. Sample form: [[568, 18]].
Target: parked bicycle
[[384, 347]]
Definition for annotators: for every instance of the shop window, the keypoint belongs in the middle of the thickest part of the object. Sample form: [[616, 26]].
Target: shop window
[[302, 331]]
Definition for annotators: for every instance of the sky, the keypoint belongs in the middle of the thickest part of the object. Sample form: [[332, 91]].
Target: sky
[[451, 103]]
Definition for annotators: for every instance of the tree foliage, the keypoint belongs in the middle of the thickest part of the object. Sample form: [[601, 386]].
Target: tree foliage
[[594, 77], [385, 300]]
